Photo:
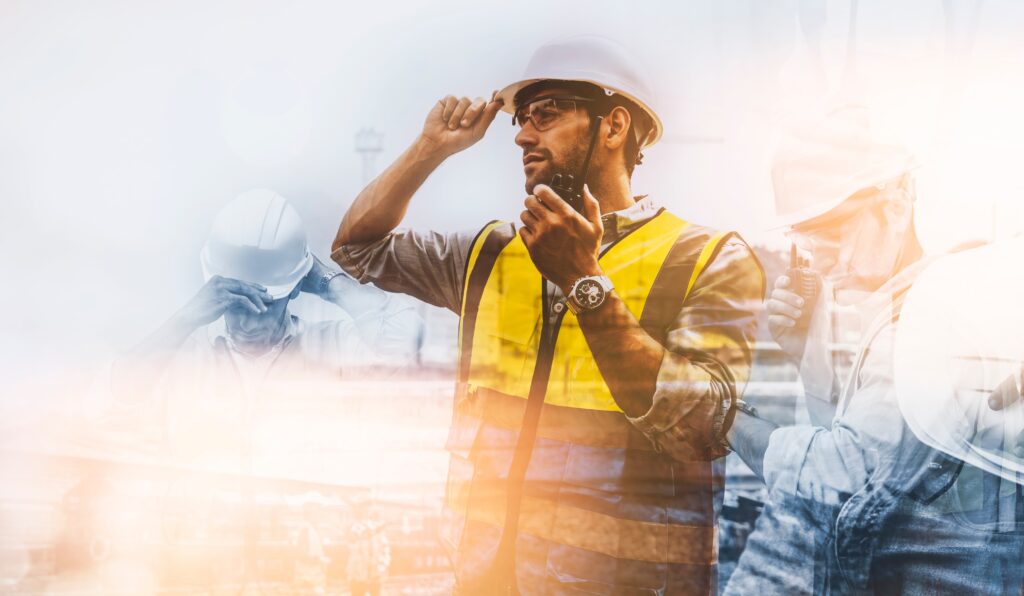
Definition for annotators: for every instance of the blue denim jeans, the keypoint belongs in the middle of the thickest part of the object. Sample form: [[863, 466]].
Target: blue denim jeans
[[902, 536]]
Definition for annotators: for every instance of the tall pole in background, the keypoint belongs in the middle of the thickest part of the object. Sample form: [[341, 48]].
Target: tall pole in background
[[369, 144]]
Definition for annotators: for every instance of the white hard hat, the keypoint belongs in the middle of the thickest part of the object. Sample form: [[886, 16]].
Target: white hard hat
[[822, 162], [259, 238], [960, 338], [595, 60]]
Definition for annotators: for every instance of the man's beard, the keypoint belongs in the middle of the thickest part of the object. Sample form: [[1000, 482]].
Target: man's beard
[[570, 163]]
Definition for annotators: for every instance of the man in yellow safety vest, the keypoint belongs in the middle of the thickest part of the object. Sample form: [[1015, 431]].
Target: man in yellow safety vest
[[602, 348]]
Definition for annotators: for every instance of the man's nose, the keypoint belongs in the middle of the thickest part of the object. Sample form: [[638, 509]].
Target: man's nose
[[527, 136], [249, 322]]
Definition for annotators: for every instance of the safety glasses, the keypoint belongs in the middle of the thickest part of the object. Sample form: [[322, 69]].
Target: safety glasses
[[544, 112]]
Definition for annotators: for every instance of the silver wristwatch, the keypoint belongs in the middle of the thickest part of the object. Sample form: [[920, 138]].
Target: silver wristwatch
[[588, 293], [327, 278]]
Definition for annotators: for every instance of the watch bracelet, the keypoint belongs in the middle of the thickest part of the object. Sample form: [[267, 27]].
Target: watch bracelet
[[327, 278]]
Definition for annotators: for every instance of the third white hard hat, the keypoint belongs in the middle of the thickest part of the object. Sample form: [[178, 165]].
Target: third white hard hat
[[822, 161], [258, 237], [595, 60]]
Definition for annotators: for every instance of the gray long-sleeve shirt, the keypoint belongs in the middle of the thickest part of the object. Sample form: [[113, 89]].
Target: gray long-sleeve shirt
[[718, 315]]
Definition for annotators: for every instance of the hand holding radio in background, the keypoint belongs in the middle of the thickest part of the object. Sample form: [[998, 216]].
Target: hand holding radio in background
[[454, 124], [785, 308]]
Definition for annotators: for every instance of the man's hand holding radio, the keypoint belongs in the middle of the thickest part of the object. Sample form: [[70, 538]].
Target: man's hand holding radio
[[564, 245], [785, 308]]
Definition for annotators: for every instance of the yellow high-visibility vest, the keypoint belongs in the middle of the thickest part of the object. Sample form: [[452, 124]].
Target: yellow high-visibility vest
[[541, 452]]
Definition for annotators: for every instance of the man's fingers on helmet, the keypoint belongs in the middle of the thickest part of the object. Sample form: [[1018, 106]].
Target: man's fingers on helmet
[[473, 112], [237, 286], [261, 299], [449, 102], [490, 112], [240, 301], [457, 113], [260, 290], [222, 282]]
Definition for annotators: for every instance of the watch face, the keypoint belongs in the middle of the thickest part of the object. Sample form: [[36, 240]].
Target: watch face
[[589, 293]]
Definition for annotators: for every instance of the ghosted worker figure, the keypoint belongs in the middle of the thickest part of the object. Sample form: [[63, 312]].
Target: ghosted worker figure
[[857, 504], [601, 351], [233, 372], [369, 553]]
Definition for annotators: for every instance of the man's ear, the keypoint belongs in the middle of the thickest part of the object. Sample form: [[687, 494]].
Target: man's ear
[[619, 123]]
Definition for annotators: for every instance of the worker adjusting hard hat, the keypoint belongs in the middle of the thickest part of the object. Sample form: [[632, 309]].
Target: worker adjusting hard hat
[[821, 162], [841, 192], [258, 237], [521, 518], [256, 259]]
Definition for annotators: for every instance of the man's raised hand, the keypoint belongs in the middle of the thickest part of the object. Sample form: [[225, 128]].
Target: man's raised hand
[[454, 124], [221, 293]]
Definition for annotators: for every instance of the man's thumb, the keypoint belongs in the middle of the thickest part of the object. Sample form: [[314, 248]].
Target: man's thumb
[[591, 208], [491, 110]]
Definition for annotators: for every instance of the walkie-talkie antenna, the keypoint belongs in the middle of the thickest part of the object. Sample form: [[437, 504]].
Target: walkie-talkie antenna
[[595, 129]]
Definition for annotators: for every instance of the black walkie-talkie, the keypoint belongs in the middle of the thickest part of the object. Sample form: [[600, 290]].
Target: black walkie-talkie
[[570, 187], [806, 283]]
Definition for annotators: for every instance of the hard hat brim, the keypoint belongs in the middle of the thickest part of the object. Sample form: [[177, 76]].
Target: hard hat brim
[[781, 222], [810, 212], [508, 94], [277, 289]]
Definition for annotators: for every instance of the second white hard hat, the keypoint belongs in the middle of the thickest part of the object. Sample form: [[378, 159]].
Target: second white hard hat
[[960, 339], [258, 237], [823, 161], [595, 60]]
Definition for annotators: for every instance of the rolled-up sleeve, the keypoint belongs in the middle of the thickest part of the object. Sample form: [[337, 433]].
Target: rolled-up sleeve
[[429, 266], [709, 352], [823, 463]]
